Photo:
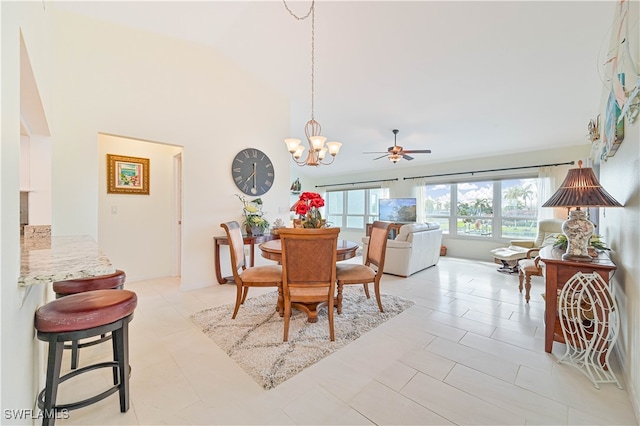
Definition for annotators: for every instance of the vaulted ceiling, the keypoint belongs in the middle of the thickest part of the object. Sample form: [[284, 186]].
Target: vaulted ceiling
[[464, 79]]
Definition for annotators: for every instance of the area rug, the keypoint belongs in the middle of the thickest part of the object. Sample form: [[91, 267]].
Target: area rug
[[254, 338]]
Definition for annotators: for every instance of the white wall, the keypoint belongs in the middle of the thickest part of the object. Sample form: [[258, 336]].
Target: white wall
[[20, 350], [40, 180], [620, 176], [132, 224], [126, 82]]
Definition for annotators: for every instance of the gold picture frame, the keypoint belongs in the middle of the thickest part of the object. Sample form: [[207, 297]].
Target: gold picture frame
[[127, 175]]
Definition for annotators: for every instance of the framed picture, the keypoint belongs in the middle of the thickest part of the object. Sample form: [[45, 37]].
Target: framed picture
[[613, 125], [127, 175]]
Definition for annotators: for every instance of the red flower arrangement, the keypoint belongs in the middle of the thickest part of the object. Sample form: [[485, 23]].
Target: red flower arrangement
[[308, 208]]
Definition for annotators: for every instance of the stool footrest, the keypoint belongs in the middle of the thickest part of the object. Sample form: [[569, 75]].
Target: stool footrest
[[102, 339], [85, 402]]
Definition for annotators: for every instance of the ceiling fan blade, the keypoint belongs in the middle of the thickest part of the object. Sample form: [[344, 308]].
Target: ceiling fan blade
[[418, 151], [407, 157], [375, 152], [382, 156]]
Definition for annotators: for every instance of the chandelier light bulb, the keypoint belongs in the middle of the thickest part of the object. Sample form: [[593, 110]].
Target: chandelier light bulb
[[334, 147], [322, 153], [298, 152], [317, 142], [292, 144]]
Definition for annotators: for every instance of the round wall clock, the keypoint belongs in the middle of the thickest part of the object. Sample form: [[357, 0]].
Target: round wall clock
[[252, 171]]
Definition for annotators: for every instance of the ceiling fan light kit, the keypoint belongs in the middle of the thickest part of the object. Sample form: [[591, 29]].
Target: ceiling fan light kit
[[312, 129], [395, 153]]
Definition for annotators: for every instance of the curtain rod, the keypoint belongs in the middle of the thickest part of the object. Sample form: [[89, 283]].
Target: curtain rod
[[355, 183], [493, 170]]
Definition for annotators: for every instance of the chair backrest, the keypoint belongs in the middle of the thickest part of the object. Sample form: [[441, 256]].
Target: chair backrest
[[548, 230], [309, 257], [378, 244], [236, 247]]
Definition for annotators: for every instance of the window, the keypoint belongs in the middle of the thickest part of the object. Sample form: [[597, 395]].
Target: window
[[474, 208], [488, 209], [519, 218], [353, 208], [438, 205]]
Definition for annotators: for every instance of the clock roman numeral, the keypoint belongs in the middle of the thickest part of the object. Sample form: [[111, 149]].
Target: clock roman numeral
[[267, 182], [238, 178], [270, 174], [236, 170], [268, 166], [246, 154]]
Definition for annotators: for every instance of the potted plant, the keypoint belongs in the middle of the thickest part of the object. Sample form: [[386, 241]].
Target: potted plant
[[595, 243], [254, 221]]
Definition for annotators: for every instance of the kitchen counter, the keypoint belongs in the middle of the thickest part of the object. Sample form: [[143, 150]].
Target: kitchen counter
[[44, 261]]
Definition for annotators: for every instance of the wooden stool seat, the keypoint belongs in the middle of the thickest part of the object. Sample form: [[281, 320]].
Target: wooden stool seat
[[80, 316], [85, 310], [80, 285]]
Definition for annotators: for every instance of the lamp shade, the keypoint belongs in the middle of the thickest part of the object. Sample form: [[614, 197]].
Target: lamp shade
[[581, 189]]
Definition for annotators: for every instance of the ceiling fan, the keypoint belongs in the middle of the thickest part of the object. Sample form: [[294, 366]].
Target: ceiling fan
[[396, 152]]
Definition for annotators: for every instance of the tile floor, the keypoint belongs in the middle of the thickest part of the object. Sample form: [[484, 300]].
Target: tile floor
[[470, 351]]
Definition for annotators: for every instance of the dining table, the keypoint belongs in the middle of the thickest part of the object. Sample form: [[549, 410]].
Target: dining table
[[272, 250]]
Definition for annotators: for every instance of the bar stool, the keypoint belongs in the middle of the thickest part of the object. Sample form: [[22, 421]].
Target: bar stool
[[79, 316], [81, 285]]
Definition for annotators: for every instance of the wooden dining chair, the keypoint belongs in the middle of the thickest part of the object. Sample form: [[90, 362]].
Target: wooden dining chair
[[256, 276], [308, 271], [372, 269]]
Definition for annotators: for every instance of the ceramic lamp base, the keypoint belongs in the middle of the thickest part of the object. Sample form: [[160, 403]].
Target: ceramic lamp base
[[578, 230]]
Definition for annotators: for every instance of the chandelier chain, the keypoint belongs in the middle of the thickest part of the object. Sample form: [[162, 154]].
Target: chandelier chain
[[299, 18], [313, 56], [312, 13]]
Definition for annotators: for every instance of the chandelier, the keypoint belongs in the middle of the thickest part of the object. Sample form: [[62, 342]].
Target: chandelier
[[317, 147]]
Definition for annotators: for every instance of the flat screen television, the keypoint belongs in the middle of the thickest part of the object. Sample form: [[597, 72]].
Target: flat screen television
[[398, 210]]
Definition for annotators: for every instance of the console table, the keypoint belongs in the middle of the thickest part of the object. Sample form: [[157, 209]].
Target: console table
[[249, 240], [556, 274]]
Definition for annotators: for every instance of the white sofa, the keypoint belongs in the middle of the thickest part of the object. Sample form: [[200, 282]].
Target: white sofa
[[416, 247]]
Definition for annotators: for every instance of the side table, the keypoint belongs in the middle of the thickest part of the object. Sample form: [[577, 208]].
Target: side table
[[556, 274], [249, 240]]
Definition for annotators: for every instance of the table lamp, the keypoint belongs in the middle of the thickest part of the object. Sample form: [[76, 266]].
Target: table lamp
[[580, 189]]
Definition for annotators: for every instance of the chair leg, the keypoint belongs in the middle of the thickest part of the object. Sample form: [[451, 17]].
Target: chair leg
[[121, 338], [114, 346], [331, 328], [244, 294], [377, 289], [280, 305], [520, 279], [366, 290], [527, 286], [287, 317], [238, 300], [54, 363], [339, 305], [74, 354]]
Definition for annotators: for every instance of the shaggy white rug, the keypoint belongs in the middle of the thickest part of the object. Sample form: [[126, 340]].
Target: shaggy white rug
[[254, 338]]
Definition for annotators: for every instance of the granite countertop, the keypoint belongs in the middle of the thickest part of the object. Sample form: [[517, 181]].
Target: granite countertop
[[52, 259]]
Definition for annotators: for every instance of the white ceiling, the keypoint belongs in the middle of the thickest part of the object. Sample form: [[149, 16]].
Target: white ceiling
[[464, 79]]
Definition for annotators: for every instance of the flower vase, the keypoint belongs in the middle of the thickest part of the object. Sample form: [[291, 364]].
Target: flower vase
[[256, 231]]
